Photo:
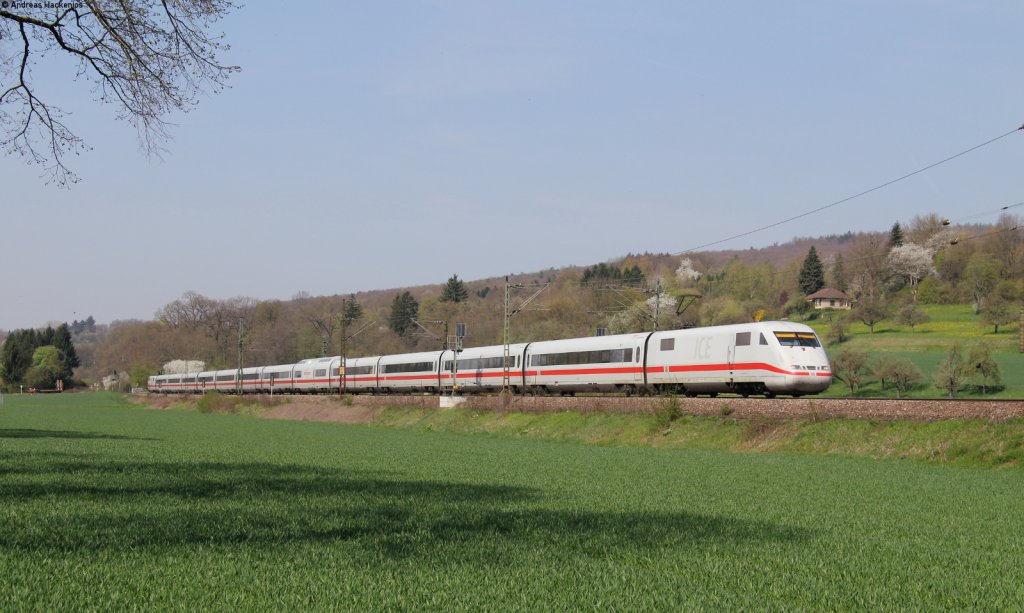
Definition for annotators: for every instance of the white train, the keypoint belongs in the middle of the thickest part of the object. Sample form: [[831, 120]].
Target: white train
[[765, 358]]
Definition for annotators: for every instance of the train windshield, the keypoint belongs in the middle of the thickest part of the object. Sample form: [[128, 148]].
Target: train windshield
[[797, 339]]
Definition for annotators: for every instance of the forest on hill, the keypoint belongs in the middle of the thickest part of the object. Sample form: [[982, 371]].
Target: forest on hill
[[887, 273]]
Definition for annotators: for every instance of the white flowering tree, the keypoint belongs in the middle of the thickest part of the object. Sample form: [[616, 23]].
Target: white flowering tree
[[686, 272], [183, 367], [911, 263]]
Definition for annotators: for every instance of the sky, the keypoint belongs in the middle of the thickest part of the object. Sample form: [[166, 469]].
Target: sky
[[372, 145]]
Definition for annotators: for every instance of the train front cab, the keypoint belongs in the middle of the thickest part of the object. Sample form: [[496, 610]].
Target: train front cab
[[802, 359], [767, 358]]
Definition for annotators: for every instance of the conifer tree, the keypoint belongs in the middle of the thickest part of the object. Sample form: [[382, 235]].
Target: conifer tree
[[454, 291], [353, 310], [66, 349], [812, 273], [404, 308], [896, 236], [633, 276]]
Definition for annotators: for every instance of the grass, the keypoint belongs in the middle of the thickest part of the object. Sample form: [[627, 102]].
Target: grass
[[967, 443], [927, 346], [111, 507]]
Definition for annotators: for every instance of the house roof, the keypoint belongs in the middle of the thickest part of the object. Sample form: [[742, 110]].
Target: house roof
[[829, 293]]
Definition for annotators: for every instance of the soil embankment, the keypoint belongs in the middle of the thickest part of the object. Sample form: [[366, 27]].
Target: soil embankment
[[365, 409]]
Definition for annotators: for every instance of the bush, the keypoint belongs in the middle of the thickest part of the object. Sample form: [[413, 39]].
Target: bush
[[215, 402], [851, 367], [837, 330], [797, 307], [951, 375], [669, 410], [40, 379], [898, 372]]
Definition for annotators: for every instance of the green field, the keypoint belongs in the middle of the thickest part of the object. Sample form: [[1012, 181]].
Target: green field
[[110, 507], [927, 345]]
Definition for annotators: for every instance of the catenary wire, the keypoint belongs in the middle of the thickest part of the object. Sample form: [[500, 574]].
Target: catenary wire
[[857, 195]]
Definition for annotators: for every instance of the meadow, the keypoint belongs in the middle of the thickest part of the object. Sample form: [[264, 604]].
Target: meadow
[[927, 344], [109, 506]]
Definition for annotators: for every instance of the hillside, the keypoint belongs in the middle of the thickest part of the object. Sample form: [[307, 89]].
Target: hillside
[[936, 268]]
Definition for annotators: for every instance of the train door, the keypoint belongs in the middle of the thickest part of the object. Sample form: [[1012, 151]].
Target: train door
[[530, 369]]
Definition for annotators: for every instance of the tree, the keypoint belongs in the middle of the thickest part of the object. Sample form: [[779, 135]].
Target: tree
[[353, 310], [839, 280], [980, 276], [952, 372], [600, 273], [896, 235], [404, 308], [454, 291], [900, 373], [868, 277], [910, 263], [871, 310], [16, 355], [686, 271], [148, 59], [912, 315], [837, 330], [983, 368], [633, 276], [812, 274], [997, 311], [851, 367], [925, 227], [324, 313], [68, 356], [47, 365]]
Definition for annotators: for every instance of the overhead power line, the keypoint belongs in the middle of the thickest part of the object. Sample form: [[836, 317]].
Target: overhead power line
[[989, 212], [857, 195]]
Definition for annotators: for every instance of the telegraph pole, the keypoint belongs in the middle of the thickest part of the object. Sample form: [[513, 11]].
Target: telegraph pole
[[238, 378], [345, 338], [506, 379]]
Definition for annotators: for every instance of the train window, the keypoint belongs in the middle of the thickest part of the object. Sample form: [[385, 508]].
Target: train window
[[251, 376], [764, 341], [668, 344], [797, 339], [409, 367], [322, 372], [637, 355], [742, 339], [604, 356], [226, 377]]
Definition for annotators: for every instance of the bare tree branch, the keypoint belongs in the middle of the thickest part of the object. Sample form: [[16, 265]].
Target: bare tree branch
[[148, 58]]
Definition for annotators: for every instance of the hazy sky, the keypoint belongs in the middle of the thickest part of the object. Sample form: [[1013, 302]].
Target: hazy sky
[[369, 145]]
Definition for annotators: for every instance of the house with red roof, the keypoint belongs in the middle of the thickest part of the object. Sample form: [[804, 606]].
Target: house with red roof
[[829, 298]]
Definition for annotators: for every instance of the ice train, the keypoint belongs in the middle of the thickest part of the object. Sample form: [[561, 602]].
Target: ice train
[[764, 358]]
